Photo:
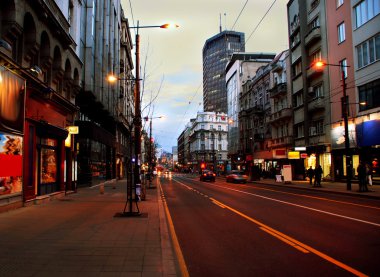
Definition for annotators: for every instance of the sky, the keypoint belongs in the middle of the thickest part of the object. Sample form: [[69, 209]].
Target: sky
[[171, 60]]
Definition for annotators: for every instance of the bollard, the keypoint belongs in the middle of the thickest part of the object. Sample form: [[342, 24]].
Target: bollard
[[101, 188]]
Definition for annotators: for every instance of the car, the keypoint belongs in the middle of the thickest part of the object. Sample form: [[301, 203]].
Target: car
[[237, 176], [207, 175]]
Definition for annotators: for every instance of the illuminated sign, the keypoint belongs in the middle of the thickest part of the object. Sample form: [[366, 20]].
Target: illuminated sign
[[300, 148], [73, 130], [303, 155], [293, 155]]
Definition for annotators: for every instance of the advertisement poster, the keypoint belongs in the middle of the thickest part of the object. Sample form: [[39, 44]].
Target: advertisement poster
[[10, 164], [12, 95]]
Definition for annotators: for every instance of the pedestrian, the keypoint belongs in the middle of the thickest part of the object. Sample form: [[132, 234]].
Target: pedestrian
[[318, 176], [368, 170], [310, 174], [362, 176]]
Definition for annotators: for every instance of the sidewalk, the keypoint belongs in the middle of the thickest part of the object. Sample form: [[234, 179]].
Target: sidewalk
[[331, 187], [79, 235]]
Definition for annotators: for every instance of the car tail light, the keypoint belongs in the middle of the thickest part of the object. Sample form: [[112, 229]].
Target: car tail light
[[204, 174], [214, 174]]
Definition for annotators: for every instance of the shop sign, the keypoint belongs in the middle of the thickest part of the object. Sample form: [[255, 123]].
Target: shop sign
[[368, 133], [338, 139], [293, 155], [303, 155], [73, 130]]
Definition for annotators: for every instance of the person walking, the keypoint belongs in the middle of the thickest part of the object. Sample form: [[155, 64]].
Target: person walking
[[318, 176], [310, 174], [362, 176]]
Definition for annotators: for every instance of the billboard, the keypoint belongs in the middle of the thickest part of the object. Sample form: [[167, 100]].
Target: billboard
[[12, 97], [10, 163]]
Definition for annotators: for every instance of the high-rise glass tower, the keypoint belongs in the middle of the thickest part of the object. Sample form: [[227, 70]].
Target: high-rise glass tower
[[216, 54]]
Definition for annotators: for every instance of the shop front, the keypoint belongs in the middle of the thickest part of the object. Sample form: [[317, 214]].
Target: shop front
[[339, 152], [319, 155], [367, 132], [12, 99]]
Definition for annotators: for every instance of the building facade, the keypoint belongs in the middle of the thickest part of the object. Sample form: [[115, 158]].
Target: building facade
[[365, 20], [217, 51], [208, 142], [240, 68], [39, 80], [309, 86], [106, 109], [281, 116]]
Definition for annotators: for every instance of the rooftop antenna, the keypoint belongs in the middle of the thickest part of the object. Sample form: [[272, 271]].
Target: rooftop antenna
[[220, 23], [225, 21]]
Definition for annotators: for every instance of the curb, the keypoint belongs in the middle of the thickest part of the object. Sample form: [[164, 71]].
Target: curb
[[352, 193]]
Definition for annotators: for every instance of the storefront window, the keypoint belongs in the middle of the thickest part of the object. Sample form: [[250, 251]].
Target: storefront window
[[325, 162], [355, 163], [311, 161], [48, 165]]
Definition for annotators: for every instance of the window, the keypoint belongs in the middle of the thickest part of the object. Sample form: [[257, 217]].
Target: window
[[299, 130], [341, 32], [339, 3], [318, 91], [365, 11], [211, 127], [314, 24], [298, 99], [297, 68], [316, 56], [219, 128], [368, 94], [343, 66], [368, 51]]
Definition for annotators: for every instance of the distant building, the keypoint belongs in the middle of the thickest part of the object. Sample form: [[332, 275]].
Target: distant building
[[240, 68], [216, 53], [208, 141]]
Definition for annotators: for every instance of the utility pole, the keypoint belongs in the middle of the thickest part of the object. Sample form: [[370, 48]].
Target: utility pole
[[346, 135]]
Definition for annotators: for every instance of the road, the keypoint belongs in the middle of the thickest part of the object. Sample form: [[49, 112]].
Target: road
[[226, 229]]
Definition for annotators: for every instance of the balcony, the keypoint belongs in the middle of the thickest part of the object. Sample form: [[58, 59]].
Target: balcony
[[278, 89], [281, 114], [313, 72], [313, 36], [316, 104], [283, 141]]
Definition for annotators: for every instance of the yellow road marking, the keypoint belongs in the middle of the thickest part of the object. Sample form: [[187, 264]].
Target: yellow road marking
[[296, 242], [177, 247], [285, 240]]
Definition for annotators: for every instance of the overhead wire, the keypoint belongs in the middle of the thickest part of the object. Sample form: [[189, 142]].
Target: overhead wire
[[258, 24], [241, 11]]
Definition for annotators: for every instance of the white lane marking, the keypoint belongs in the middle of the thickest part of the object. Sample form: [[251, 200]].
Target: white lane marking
[[304, 207]]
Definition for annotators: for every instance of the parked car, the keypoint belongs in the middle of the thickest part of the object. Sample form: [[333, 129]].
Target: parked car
[[207, 175], [237, 176]]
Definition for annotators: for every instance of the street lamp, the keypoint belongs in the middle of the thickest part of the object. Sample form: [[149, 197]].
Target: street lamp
[[320, 65], [137, 117], [150, 163]]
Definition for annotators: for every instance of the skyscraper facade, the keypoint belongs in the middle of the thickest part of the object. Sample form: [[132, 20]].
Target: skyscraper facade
[[216, 54]]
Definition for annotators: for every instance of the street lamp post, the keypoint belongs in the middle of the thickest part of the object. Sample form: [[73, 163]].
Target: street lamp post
[[320, 65], [137, 118], [150, 155], [137, 121]]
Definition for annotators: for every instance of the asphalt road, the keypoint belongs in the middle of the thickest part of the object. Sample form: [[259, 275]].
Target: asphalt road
[[228, 229]]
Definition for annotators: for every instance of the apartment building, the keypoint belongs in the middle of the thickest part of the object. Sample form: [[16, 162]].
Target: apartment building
[[240, 68], [208, 141], [310, 88]]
